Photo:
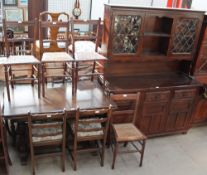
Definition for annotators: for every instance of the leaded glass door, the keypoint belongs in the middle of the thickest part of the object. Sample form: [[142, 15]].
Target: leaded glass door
[[184, 37], [126, 33]]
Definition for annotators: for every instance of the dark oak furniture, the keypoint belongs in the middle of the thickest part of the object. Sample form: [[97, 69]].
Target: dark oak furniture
[[51, 25], [58, 96], [151, 50], [23, 67], [55, 59], [200, 73], [27, 42], [4, 155], [127, 132], [90, 126], [83, 68], [87, 40], [47, 130]]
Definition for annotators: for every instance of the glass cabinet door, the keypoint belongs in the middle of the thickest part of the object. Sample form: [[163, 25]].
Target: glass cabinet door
[[126, 33], [184, 36]]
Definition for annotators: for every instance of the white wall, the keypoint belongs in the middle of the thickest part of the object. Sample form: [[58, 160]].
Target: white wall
[[132, 2], [98, 7], [159, 3], [199, 5], [68, 5]]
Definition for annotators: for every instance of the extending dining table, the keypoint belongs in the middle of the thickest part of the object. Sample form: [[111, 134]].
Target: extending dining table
[[90, 95]]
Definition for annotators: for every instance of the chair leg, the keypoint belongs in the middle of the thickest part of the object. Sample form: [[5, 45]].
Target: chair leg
[[63, 161], [32, 76], [33, 165], [115, 154], [93, 70], [142, 153], [125, 144], [63, 157], [74, 160], [74, 155], [103, 153]]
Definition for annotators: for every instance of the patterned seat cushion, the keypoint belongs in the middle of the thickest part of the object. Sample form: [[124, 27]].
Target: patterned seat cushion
[[88, 126], [47, 133]]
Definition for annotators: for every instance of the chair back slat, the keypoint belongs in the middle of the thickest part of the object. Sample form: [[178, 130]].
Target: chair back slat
[[50, 25], [44, 125], [85, 118], [92, 34], [26, 36], [127, 105]]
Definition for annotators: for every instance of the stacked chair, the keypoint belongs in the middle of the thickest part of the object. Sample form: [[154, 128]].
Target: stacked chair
[[85, 49], [24, 66], [55, 60]]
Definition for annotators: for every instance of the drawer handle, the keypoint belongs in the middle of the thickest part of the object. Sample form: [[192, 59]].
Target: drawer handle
[[125, 95]]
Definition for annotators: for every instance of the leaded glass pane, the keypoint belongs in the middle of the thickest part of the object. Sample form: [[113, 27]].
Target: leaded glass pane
[[184, 38], [126, 33]]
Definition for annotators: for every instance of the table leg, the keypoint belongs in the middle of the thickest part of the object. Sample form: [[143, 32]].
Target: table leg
[[73, 78], [22, 142], [39, 79], [43, 81], [7, 81], [76, 77]]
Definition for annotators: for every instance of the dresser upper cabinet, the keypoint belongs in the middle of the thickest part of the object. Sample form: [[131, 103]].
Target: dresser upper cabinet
[[142, 34]]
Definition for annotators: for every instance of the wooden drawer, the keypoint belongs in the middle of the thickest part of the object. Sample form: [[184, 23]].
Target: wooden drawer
[[189, 93], [157, 96]]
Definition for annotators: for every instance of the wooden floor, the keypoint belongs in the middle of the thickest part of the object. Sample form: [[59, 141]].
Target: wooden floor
[[24, 98]]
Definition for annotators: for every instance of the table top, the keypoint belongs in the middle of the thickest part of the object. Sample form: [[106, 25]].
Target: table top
[[19, 60], [24, 98]]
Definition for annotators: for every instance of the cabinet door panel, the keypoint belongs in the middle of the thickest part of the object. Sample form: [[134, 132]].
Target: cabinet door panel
[[126, 32], [176, 121], [185, 36], [152, 124]]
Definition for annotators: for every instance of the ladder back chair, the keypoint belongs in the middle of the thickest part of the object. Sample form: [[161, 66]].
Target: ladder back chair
[[127, 132], [47, 131], [85, 41], [24, 66], [54, 47], [90, 126]]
